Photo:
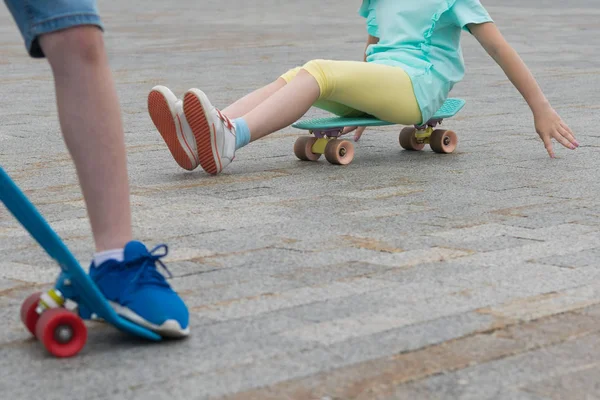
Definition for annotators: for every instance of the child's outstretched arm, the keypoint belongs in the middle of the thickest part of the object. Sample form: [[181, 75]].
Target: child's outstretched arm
[[548, 123]]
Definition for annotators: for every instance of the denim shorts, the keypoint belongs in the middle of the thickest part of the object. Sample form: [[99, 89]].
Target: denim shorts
[[36, 17]]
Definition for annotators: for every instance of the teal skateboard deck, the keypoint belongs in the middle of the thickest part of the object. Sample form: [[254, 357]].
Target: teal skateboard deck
[[61, 331], [325, 133]]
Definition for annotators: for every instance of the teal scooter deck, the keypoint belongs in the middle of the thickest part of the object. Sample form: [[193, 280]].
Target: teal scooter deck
[[326, 132], [73, 283]]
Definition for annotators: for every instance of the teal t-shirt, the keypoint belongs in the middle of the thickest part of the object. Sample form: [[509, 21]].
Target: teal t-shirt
[[423, 38]]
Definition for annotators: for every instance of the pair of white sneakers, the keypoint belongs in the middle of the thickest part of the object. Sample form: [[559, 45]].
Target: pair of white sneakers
[[195, 132]]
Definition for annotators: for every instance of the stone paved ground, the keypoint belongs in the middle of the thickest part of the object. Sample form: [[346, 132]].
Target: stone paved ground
[[403, 275]]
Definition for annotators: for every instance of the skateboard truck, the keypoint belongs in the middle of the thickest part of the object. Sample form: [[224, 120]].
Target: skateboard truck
[[53, 298], [423, 132], [327, 133]]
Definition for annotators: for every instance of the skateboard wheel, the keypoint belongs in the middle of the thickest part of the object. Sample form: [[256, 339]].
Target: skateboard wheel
[[443, 141], [29, 316], [61, 331], [340, 152], [303, 149], [408, 140]]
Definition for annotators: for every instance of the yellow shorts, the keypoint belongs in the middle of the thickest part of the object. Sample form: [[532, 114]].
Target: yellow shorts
[[354, 89]]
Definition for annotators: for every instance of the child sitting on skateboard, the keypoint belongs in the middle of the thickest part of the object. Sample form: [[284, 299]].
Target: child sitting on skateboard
[[413, 59]]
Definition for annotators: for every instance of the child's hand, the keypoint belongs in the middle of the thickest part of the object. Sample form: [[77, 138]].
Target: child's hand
[[549, 125], [359, 131]]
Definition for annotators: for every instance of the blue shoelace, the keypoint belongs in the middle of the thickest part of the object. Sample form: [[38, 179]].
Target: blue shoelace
[[148, 273]]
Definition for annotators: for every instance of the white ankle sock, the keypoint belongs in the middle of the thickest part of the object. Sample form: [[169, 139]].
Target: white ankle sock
[[114, 254]]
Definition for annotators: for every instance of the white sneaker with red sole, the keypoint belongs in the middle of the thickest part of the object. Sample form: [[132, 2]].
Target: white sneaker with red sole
[[166, 112], [214, 132]]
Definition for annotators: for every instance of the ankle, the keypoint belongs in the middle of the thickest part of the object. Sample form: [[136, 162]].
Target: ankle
[[113, 254], [107, 243], [242, 133]]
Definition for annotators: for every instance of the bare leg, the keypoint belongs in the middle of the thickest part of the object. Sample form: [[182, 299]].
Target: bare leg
[[249, 102], [90, 119], [284, 107]]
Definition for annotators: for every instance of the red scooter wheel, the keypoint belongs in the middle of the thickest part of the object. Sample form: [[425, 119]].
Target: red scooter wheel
[[29, 316], [61, 331]]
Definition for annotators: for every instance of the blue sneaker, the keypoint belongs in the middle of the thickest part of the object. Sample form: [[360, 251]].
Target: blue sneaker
[[138, 292]]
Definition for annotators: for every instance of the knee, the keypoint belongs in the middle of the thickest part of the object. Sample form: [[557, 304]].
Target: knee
[[289, 75], [78, 45], [313, 66], [313, 63], [317, 69]]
